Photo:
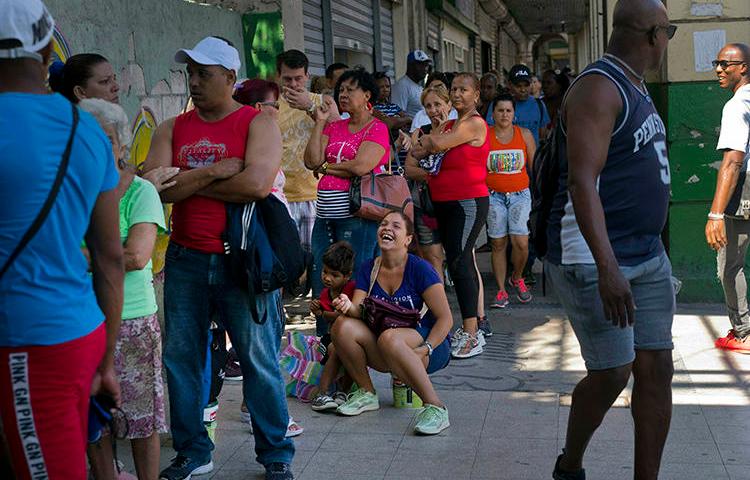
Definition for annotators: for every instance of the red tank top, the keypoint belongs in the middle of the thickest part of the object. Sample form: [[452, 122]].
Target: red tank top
[[198, 222], [506, 163], [463, 173]]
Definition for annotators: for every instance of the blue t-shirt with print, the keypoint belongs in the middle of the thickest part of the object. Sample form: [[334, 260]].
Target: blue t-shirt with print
[[46, 296], [532, 114], [418, 277]]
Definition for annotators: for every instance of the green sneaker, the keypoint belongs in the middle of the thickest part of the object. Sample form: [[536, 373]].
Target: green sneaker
[[359, 401], [432, 420]]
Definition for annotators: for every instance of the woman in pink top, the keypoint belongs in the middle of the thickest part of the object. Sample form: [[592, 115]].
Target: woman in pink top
[[340, 151]]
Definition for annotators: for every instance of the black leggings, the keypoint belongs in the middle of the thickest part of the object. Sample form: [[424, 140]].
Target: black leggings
[[459, 223]]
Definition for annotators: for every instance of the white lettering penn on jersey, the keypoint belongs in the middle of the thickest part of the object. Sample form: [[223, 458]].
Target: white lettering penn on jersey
[[650, 127]]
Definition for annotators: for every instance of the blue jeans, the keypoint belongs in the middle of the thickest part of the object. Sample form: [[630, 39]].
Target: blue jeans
[[360, 233], [197, 288]]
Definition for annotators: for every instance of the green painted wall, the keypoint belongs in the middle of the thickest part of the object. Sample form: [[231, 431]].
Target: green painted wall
[[263, 36], [692, 114]]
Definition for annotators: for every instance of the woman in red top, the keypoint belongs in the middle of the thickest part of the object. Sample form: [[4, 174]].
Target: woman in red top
[[512, 149], [459, 194]]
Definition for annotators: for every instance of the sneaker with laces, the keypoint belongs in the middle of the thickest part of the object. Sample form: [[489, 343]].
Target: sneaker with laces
[[558, 474], [279, 471], [734, 343], [323, 402], [432, 420], [183, 468], [359, 402], [468, 346], [340, 398], [485, 327], [501, 300], [480, 338], [232, 370], [456, 336], [522, 291]]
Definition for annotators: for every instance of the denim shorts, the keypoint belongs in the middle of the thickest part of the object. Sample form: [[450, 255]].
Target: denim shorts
[[509, 213], [604, 345], [426, 228], [441, 355]]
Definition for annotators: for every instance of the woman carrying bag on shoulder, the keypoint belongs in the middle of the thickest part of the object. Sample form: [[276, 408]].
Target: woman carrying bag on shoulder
[[437, 104], [406, 283], [338, 152]]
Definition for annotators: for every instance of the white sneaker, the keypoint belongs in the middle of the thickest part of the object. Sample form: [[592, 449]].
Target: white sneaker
[[456, 336], [468, 346], [480, 338], [460, 331]]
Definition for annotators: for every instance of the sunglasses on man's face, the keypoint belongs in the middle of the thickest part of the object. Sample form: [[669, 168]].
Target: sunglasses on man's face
[[670, 30], [724, 64]]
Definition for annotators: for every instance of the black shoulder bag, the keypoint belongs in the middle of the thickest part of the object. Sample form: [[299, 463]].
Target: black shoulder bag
[[42, 215]]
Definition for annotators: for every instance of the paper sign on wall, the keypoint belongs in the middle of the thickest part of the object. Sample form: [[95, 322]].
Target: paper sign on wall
[[706, 45]]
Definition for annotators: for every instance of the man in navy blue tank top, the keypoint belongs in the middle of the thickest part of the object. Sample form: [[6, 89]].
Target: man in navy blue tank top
[[605, 257]]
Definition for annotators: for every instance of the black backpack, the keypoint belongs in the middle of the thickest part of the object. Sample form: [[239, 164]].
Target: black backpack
[[544, 183], [264, 248]]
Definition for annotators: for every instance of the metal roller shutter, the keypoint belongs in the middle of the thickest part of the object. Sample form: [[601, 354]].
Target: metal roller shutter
[[353, 25], [386, 37], [314, 45]]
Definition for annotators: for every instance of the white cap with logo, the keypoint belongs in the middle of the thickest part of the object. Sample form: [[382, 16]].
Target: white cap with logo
[[211, 51], [25, 28]]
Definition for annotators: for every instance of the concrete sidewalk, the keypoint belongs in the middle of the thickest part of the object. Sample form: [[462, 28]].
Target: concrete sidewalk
[[508, 411]]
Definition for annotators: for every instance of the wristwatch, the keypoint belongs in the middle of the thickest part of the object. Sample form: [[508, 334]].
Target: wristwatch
[[429, 348], [311, 108]]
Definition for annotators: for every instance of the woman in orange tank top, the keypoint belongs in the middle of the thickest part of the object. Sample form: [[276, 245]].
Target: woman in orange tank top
[[512, 150]]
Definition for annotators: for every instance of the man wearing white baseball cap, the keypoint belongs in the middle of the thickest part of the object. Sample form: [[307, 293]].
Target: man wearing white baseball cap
[[407, 90], [211, 51], [58, 324], [226, 152]]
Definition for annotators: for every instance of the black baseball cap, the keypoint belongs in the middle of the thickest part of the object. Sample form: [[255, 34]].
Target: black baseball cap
[[520, 73]]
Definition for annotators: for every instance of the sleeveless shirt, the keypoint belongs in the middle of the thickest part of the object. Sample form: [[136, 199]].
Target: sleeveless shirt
[[506, 163], [198, 222], [463, 173], [633, 185]]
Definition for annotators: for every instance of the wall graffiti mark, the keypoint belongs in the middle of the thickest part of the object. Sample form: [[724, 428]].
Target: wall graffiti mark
[[60, 47]]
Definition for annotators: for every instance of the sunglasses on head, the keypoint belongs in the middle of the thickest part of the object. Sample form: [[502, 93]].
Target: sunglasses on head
[[724, 64]]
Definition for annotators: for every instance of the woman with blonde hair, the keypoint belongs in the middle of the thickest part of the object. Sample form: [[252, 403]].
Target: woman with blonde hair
[[437, 104]]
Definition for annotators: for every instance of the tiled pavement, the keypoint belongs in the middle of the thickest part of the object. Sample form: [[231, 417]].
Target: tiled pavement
[[508, 411]]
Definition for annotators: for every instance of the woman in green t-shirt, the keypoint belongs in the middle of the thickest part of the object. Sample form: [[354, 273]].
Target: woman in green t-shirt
[[138, 349]]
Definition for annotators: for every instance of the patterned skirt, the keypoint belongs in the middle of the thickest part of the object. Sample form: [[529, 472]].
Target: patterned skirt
[[138, 366]]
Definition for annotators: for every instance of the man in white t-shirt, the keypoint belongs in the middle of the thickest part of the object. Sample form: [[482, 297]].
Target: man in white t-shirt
[[407, 90], [728, 227]]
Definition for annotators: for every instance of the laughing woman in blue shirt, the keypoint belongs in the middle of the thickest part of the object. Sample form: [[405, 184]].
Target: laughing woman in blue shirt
[[411, 354]]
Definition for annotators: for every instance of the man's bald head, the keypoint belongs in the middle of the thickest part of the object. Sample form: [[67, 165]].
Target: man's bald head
[[738, 51], [733, 66], [639, 15], [641, 33]]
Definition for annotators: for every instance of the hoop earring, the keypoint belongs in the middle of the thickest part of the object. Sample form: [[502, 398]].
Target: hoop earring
[[368, 106]]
